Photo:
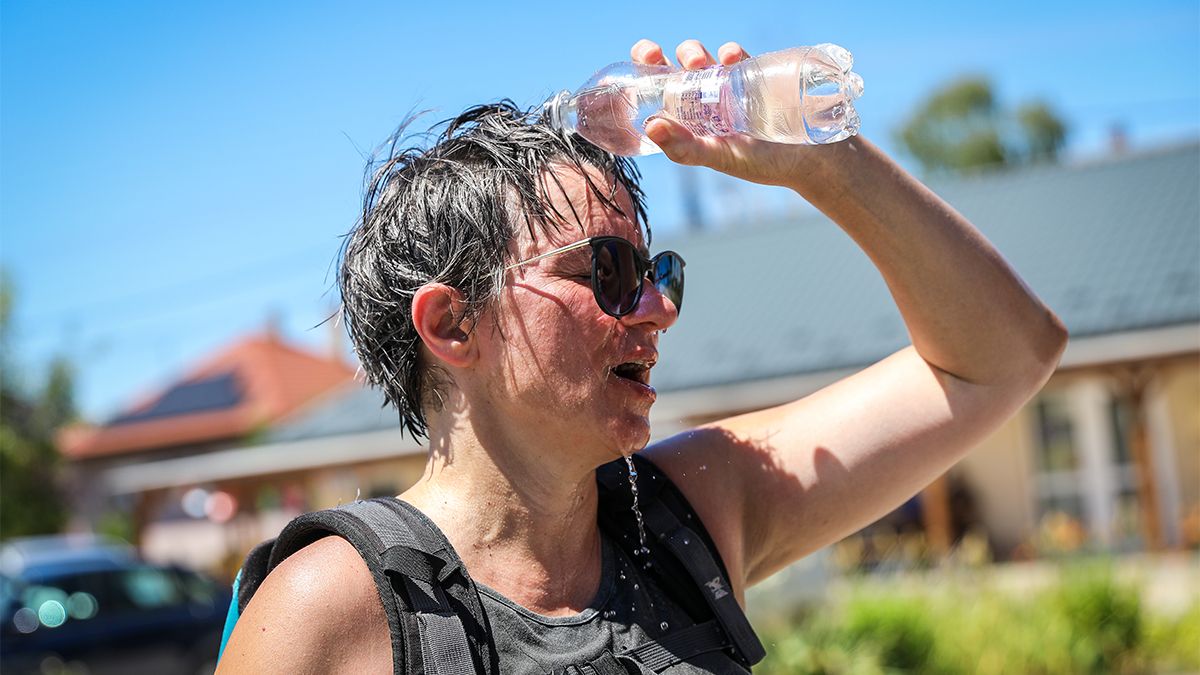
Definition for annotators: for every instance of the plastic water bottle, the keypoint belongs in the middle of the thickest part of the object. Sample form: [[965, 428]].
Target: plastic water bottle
[[802, 95]]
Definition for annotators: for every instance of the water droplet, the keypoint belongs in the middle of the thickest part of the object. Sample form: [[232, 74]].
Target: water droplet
[[686, 541], [647, 566], [663, 625], [621, 576], [635, 587], [704, 467], [637, 512]]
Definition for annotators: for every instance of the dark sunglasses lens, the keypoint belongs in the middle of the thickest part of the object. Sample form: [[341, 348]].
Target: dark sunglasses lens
[[617, 281], [668, 277]]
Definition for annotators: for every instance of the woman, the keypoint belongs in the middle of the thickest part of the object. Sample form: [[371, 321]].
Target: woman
[[470, 294]]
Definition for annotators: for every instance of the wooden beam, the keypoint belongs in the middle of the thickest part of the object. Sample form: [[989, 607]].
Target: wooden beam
[[935, 516]]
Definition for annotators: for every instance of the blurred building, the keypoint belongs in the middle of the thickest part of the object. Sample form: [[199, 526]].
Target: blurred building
[[228, 400], [1106, 457]]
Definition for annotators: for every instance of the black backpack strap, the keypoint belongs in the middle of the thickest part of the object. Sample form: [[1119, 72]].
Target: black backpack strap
[[606, 664], [449, 615], [687, 547], [422, 584], [692, 572], [680, 645], [254, 570]]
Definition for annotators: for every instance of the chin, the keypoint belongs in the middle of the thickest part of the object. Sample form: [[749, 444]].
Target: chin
[[631, 436]]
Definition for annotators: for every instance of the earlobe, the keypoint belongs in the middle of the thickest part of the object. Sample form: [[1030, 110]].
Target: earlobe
[[437, 314]]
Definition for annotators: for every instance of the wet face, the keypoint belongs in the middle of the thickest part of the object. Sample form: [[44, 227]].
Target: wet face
[[558, 364]]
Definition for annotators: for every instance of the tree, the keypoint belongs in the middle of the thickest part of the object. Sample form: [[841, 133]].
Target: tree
[[30, 502], [961, 128]]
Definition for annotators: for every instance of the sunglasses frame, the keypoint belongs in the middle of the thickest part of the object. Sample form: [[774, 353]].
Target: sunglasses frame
[[644, 268]]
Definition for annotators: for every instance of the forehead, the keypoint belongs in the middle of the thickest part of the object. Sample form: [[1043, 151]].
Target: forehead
[[580, 212]]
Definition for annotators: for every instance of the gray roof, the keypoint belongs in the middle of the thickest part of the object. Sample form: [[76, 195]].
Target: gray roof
[[1110, 246], [350, 410]]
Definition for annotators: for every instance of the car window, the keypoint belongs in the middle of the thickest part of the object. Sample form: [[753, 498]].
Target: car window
[[200, 589], [149, 588]]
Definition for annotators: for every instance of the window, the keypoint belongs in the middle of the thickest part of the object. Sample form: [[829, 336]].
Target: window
[[1057, 449], [1058, 482], [1086, 481], [1126, 525]]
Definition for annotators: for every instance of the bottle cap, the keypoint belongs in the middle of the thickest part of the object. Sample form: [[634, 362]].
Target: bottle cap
[[552, 109]]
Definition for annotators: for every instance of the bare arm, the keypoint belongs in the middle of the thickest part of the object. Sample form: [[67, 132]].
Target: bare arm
[[318, 612], [807, 473]]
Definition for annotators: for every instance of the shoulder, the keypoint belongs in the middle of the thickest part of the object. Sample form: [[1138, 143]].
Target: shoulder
[[318, 611]]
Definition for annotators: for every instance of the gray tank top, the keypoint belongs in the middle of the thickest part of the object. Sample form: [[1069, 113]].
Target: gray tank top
[[629, 609]]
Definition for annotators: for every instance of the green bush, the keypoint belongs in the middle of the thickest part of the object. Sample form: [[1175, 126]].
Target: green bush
[[1087, 623], [898, 629], [1105, 621], [1174, 643]]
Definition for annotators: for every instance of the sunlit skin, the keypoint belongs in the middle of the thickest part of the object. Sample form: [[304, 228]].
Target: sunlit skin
[[555, 349], [532, 409]]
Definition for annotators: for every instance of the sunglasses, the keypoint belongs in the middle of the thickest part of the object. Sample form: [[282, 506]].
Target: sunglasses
[[617, 272]]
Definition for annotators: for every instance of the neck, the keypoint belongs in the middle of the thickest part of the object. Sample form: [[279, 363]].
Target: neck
[[521, 516]]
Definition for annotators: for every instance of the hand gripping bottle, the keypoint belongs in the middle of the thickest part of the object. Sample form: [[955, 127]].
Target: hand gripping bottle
[[802, 95]]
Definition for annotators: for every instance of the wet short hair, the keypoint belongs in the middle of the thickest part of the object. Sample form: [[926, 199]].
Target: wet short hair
[[445, 209]]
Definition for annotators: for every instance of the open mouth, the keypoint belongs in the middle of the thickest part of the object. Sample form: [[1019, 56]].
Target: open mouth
[[634, 370]]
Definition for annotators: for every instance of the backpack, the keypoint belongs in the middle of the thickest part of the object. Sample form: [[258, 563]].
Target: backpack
[[435, 617]]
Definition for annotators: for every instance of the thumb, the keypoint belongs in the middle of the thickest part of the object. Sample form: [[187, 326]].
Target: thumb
[[676, 140]]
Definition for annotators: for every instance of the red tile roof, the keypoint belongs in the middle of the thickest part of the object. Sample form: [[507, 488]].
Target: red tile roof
[[274, 380]]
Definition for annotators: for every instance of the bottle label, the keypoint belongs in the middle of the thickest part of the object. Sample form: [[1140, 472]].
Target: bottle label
[[694, 99], [710, 90]]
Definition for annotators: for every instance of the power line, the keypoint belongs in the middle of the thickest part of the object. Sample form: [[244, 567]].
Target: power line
[[230, 282]]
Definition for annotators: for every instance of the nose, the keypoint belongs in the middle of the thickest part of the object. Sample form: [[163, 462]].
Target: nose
[[653, 310]]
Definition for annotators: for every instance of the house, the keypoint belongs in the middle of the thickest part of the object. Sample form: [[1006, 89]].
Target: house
[[225, 401], [1106, 457]]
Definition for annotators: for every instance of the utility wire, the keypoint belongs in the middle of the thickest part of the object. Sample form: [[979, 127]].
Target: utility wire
[[233, 282]]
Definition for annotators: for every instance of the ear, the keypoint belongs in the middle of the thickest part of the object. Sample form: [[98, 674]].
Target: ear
[[437, 311]]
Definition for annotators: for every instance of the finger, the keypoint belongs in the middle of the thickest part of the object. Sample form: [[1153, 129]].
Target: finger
[[692, 55], [648, 52], [674, 139], [730, 53]]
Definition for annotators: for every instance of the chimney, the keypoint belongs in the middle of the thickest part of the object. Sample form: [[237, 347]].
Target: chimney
[[693, 210], [335, 345], [1118, 139], [273, 330]]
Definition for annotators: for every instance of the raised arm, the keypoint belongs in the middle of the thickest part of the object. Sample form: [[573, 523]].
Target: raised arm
[[807, 473]]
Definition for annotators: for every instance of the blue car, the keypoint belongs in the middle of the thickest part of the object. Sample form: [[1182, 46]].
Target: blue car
[[89, 605]]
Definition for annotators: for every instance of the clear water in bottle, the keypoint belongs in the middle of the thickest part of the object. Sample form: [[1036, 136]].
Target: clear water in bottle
[[802, 95], [611, 108]]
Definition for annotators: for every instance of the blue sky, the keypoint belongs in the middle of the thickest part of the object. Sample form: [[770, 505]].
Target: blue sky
[[171, 174]]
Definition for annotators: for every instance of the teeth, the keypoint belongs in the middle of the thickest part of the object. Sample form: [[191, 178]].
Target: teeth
[[638, 371]]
